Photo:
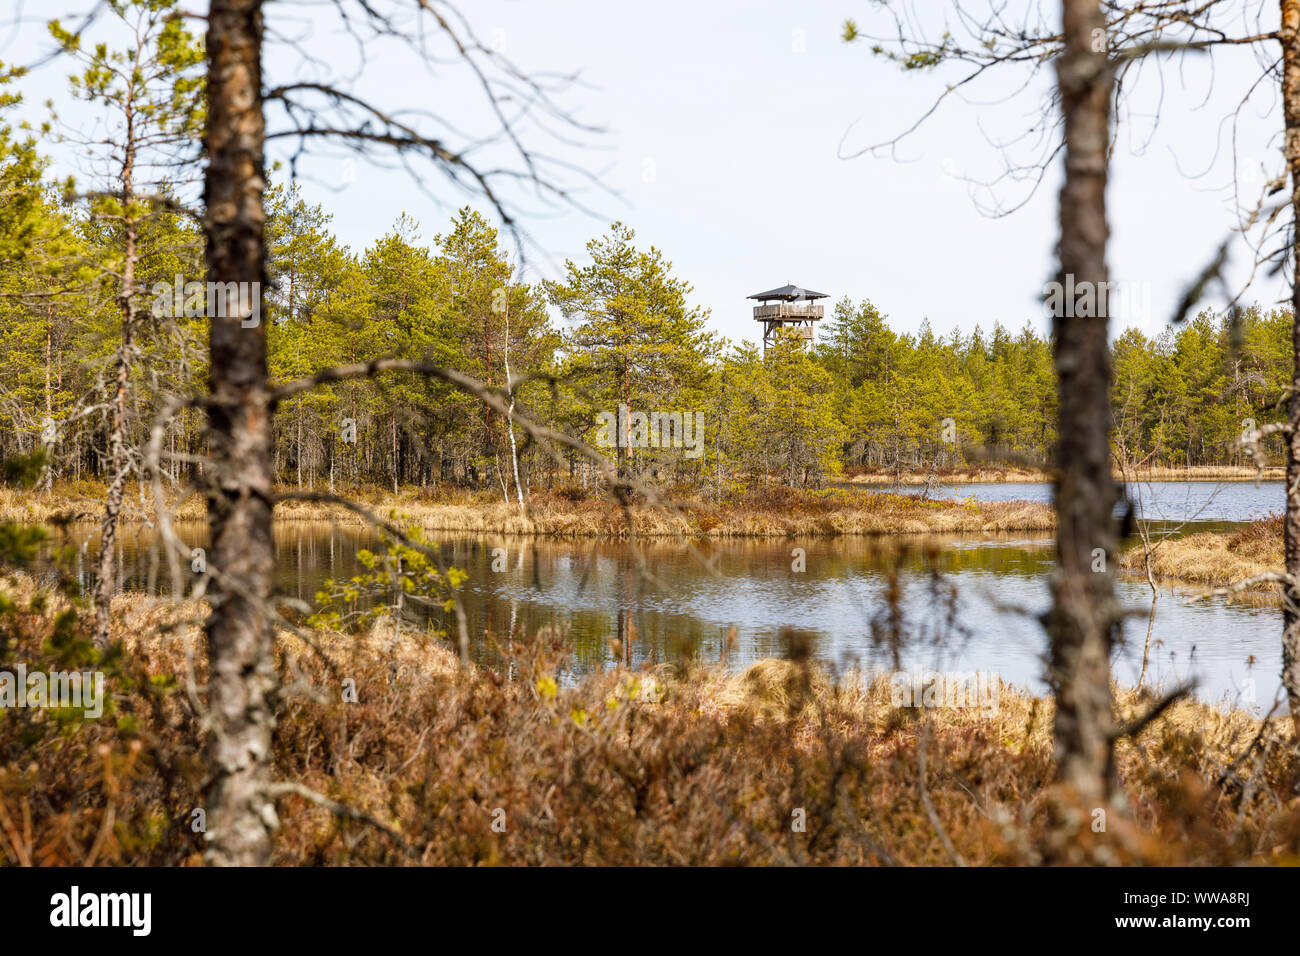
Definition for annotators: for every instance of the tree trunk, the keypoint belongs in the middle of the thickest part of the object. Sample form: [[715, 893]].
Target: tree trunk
[[625, 433], [106, 574], [1082, 618], [242, 680], [510, 412], [1290, 39], [49, 357], [47, 480]]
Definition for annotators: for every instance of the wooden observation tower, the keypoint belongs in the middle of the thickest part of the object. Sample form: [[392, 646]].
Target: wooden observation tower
[[787, 307]]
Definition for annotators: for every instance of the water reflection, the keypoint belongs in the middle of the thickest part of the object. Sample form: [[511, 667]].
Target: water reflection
[[967, 602]]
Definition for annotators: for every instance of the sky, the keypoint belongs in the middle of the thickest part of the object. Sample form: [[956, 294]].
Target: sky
[[728, 134]]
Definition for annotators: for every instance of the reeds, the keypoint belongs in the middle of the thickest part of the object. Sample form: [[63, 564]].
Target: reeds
[[1219, 559], [514, 761], [994, 474], [771, 512]]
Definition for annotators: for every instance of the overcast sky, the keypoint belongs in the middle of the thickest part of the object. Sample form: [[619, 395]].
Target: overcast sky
[[727, 126]]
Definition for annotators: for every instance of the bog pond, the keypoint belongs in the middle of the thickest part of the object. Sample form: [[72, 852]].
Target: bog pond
[[961, 603]]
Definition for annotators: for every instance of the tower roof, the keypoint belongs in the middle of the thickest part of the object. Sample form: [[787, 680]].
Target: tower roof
[[789, 293]]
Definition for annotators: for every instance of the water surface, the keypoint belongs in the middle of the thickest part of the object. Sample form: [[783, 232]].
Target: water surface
[[965, 602], [1165, 501]]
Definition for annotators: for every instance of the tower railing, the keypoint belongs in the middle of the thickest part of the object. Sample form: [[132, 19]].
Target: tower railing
[[788, 310]]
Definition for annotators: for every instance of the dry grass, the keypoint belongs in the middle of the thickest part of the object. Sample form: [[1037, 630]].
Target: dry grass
[[680, 766], [1214, 558], [770, 512], [84, 501], [1208, 473], [989, 474]]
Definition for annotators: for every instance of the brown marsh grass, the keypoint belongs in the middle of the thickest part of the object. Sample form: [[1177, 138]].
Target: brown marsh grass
[[782, 763], [1213, 558], [764, 512]]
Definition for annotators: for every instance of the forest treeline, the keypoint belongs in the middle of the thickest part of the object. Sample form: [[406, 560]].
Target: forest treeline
[[105, 312], [617, 330]]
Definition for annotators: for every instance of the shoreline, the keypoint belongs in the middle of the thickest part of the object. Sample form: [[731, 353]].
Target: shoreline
[[771, 513], [1010, 476], [854, 507]]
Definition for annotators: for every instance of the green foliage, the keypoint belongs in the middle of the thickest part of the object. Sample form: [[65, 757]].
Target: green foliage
[[455, 304], [1186, 396], [24, 470], [1180, 399], [20, 544], [402, 575], [634, 339], [778, 414]]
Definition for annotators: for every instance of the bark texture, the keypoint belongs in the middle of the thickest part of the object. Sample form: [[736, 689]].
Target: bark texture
[[242, 681], [1290, 38], [1082, 619]]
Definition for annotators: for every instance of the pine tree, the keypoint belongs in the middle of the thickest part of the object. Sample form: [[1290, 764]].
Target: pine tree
[[635, 341]]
